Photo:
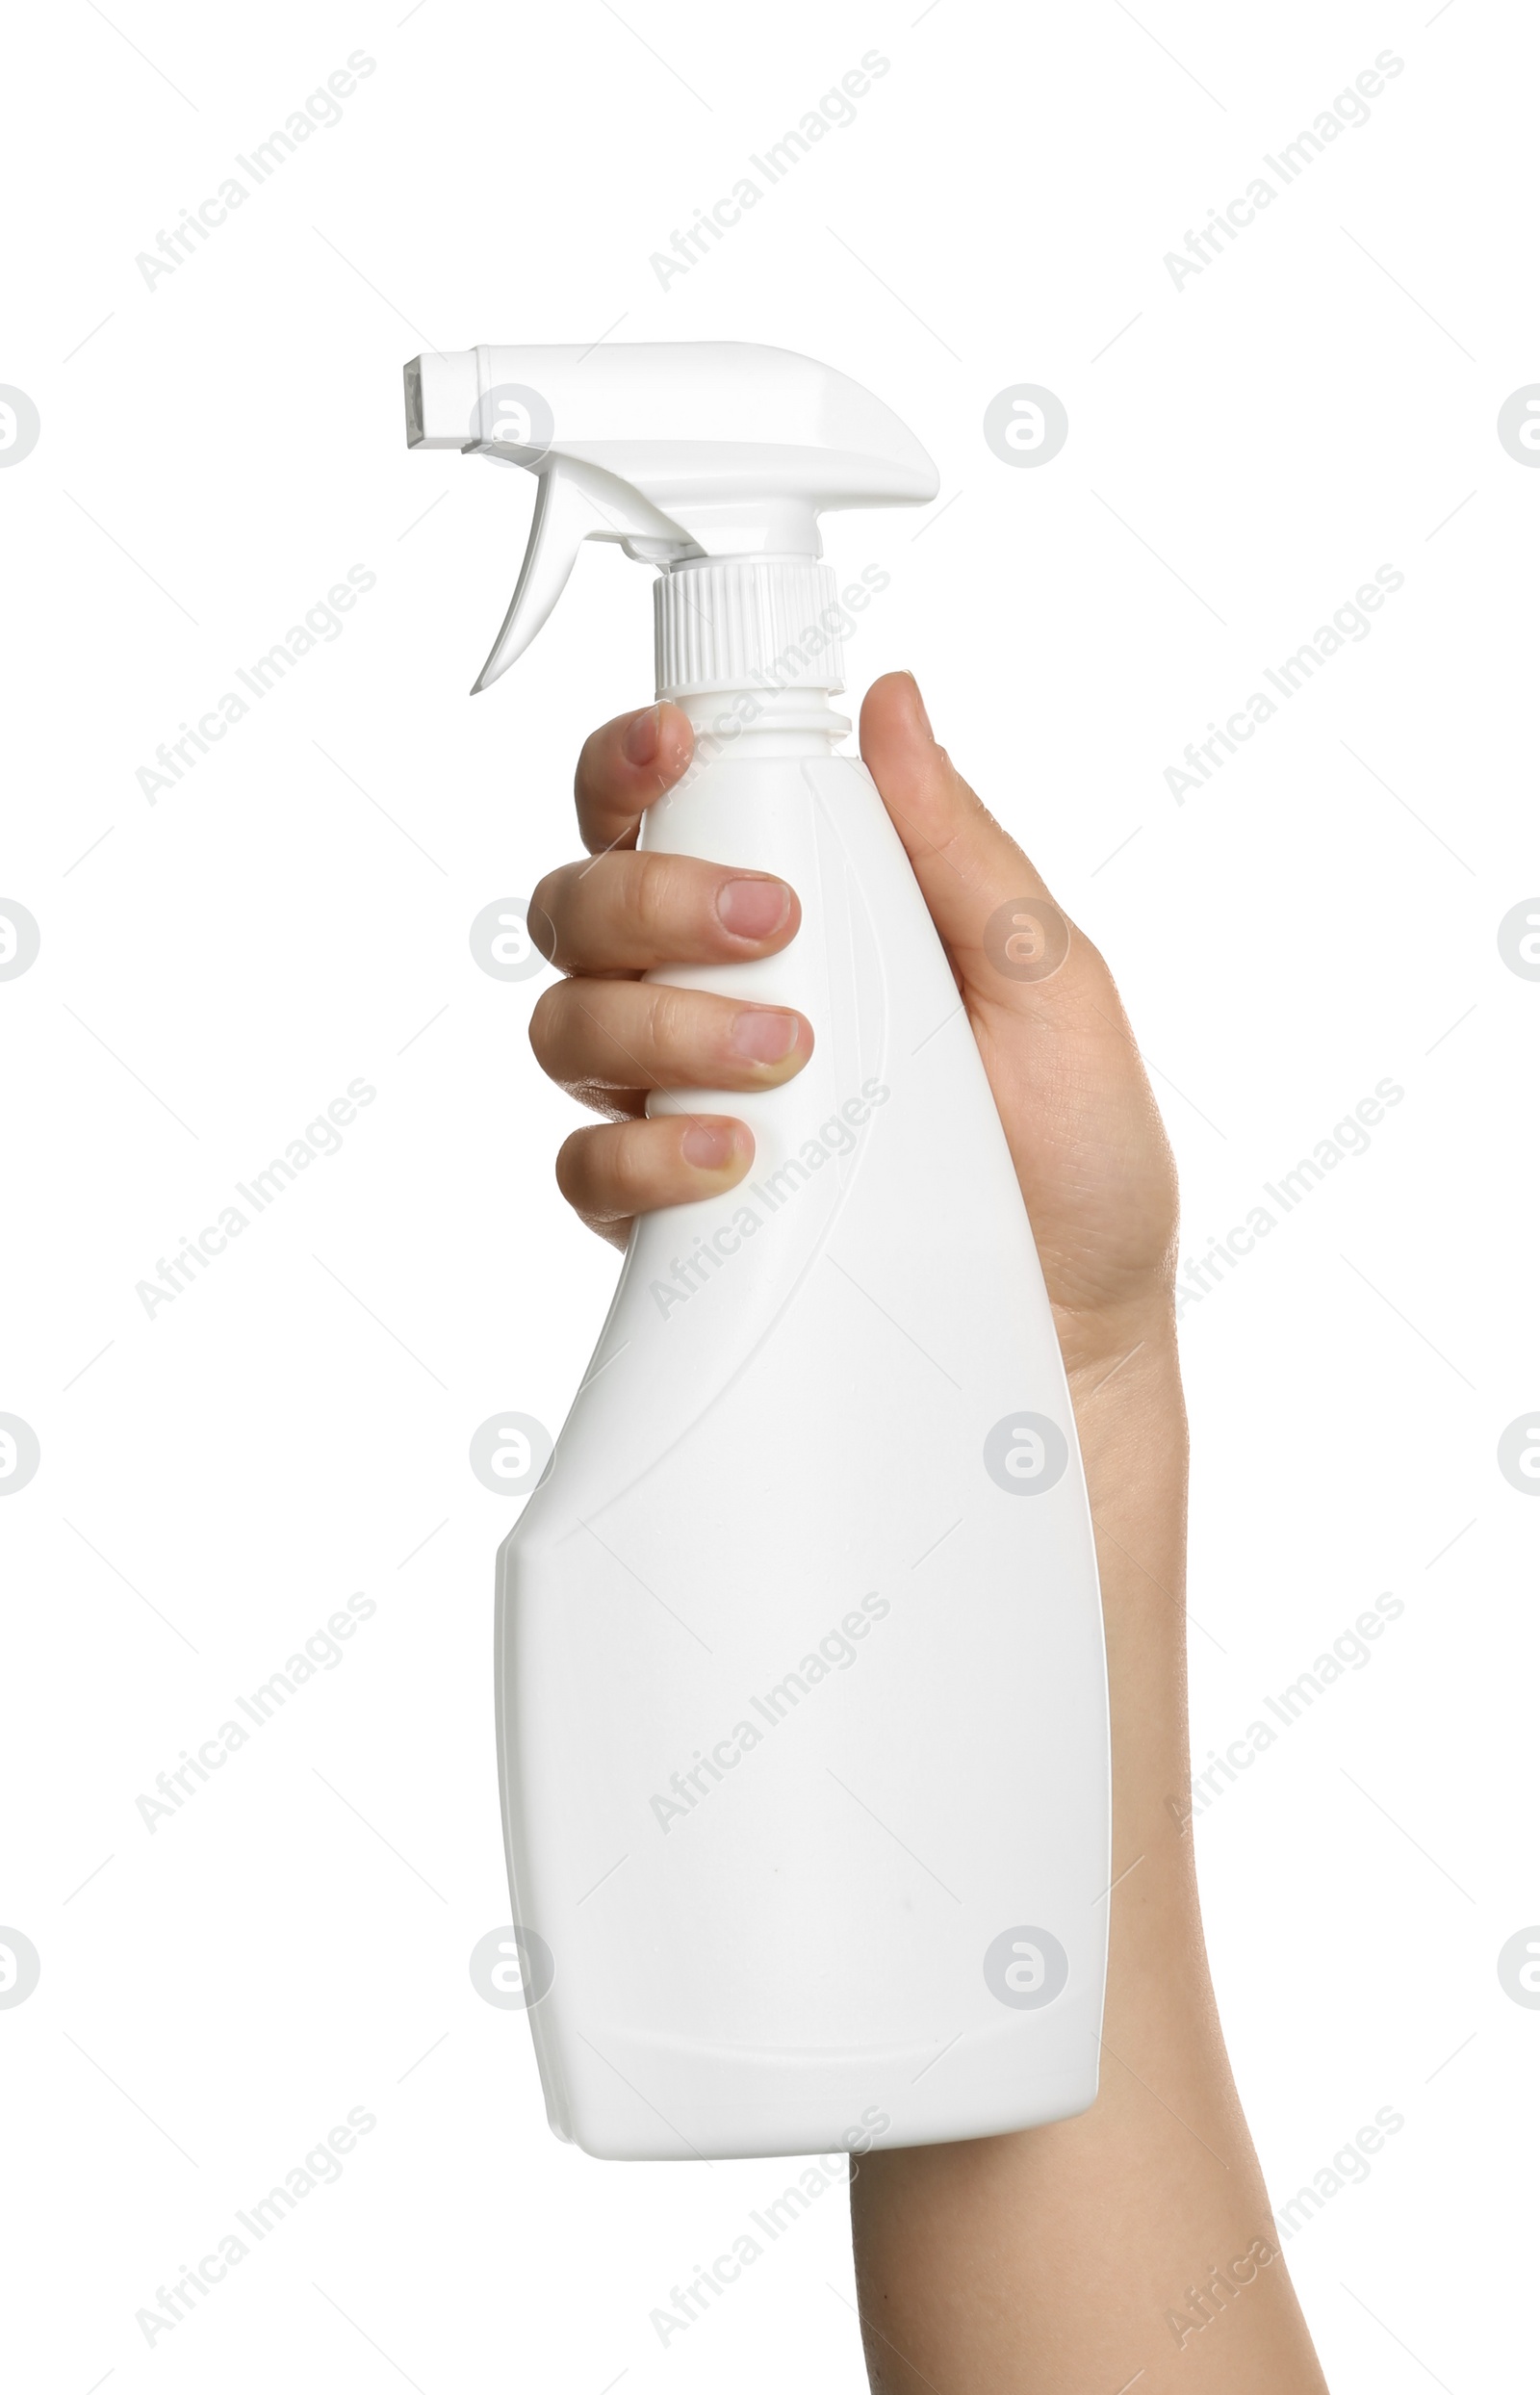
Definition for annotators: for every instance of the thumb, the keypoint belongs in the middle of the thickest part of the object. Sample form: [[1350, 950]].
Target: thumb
[[989, 901]]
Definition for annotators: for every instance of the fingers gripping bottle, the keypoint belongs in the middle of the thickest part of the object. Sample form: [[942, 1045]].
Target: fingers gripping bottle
[[802, 1709]]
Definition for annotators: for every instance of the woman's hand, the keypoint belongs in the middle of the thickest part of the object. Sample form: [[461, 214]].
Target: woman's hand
[[1089, 1152], [1073, 2255]]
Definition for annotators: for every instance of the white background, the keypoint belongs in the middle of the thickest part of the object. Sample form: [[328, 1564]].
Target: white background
[[216, 451]]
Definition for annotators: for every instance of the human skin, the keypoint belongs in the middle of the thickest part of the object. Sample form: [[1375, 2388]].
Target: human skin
[[1096, 2254]]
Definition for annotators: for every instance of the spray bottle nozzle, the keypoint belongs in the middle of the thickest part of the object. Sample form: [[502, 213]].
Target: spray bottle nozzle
[[685, 453]]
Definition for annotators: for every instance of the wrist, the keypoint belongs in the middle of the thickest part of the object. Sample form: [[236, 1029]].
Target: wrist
[[1094, 1338], [1131, 1421], [1125, 1384], [1132, 1424]]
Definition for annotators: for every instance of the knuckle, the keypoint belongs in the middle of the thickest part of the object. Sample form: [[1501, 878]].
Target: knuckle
[[549, 910], [574, 1166], [601, 1171], [593, 757], [675, 1017], [547, 1021], [631, 1150], [654, 896]]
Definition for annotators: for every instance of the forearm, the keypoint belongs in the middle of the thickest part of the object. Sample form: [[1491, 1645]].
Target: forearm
[[1069, 2258]]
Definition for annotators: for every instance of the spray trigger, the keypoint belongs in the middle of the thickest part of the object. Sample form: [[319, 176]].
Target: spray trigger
[[575, 502]]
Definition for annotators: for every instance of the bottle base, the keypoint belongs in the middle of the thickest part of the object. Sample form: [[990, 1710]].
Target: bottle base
[[626, 2097]]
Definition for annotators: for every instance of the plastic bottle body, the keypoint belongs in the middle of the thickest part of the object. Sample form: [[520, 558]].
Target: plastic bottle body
[[802, 1695]]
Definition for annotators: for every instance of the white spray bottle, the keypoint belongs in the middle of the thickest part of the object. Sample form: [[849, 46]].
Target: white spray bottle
[[802, 1704]]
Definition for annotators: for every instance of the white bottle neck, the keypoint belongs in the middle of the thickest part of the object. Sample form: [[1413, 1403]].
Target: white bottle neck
[[761, 723]]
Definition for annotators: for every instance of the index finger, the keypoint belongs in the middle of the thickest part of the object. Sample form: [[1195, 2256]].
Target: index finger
[[625, 765]]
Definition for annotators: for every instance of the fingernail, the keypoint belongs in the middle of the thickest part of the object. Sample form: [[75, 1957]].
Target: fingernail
[[641, 736], [753, 909], [919, 709], [764, 1035], [709, 1145]]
